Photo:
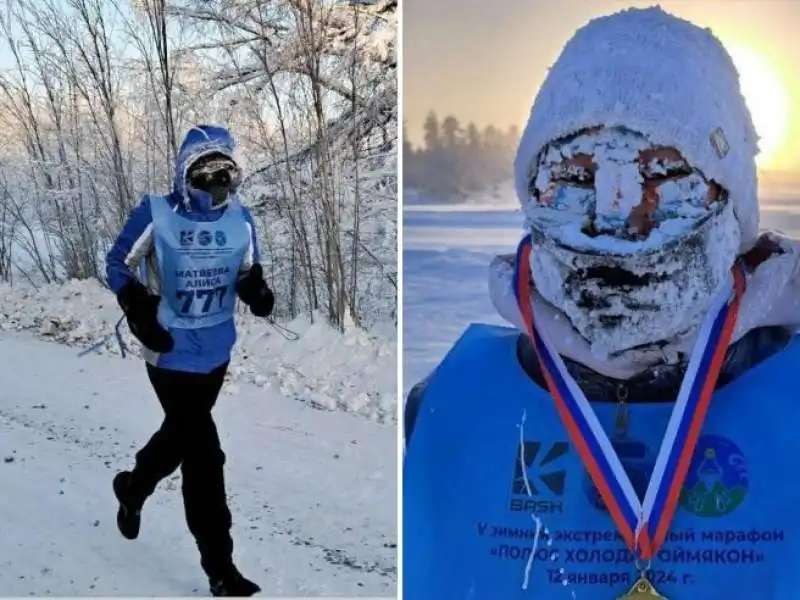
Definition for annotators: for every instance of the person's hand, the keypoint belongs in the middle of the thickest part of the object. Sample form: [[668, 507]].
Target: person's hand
[[253, 291], [141, 310]]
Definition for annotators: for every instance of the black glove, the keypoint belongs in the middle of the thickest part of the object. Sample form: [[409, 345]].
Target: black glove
[[253, 291], [141, 310]]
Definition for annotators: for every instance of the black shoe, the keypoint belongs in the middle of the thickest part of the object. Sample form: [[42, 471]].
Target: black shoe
[[234, 584], [129, 515]]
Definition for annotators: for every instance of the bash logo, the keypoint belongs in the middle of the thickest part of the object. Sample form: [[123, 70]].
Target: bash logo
[[187, 237], [534, 479], [204, 238], [717, 480]]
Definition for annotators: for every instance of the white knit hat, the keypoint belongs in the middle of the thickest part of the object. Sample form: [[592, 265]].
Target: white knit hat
[[662, 76]]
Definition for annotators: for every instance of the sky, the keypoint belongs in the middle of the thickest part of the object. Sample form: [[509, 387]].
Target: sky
[[484, 60]]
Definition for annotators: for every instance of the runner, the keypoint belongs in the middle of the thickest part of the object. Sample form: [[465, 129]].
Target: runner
[[196, 250]]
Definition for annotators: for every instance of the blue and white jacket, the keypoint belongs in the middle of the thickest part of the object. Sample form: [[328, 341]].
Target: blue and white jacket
[[133, 257]]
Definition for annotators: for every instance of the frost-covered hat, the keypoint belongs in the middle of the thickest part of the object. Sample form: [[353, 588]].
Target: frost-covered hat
[[651, 72]]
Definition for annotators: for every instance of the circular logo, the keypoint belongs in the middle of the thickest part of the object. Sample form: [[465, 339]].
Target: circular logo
[[637, 459], [717, 480], [204, 238], [220, 238]]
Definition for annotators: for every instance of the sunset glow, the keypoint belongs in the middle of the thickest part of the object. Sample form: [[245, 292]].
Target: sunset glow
[[767, 99]]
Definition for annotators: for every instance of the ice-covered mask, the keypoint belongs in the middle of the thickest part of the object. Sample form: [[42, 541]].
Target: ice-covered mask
[[630, 241]]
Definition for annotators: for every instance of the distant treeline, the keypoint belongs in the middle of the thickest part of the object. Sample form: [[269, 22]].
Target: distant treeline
[[457, 160]]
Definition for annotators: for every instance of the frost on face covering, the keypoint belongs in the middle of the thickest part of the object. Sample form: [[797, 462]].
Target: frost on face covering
[[630, 241]]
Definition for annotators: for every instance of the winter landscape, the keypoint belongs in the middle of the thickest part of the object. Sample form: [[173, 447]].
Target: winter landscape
[[94, 97]]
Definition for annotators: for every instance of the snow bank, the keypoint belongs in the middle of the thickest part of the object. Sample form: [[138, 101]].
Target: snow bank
[[355, 372]]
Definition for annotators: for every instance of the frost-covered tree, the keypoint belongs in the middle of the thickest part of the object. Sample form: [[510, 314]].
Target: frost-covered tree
[[325, 73], [102, 90]]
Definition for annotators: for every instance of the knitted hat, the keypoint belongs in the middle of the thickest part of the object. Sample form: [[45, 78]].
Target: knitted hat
[[663, 77]]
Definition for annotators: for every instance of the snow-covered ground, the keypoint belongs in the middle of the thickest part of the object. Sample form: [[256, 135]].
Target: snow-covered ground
[[308, 426], [355, 372], [313, 492], [446, 255]]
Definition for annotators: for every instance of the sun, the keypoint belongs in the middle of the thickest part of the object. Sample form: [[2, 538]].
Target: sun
[[766, 98]]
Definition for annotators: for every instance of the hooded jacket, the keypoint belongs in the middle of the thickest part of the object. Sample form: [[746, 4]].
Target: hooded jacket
[[132, 257]]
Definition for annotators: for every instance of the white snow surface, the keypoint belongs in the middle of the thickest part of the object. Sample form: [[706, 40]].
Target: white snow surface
[[446, 255], [355, 372], [313, 494]]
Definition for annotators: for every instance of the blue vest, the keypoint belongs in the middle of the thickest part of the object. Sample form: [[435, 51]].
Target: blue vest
[[489, 456], [199, 265]]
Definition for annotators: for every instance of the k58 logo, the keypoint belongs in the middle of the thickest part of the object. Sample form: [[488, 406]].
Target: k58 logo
[[539, 477]]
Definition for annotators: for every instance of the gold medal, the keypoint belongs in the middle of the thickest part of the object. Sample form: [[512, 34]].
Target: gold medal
[[642, 590]]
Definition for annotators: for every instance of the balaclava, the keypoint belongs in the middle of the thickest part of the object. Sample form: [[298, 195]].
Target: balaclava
[[636, 174]]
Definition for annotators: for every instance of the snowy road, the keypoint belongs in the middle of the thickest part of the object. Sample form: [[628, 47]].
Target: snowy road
[[313, 493]]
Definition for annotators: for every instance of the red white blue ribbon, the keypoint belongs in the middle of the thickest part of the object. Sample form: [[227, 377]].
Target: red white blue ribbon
[[642, 524]]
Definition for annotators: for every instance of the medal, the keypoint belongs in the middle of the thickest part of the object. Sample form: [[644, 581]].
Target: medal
[[642, 590], [642, 524]]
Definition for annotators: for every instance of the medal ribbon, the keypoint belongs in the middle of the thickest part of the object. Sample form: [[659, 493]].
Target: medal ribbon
[[643, 525]]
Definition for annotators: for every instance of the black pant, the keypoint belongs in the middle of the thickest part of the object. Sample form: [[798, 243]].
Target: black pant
[[188, 439]]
